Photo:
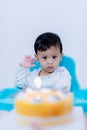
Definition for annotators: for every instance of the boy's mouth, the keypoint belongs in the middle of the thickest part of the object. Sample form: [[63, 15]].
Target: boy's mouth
[[50, 68]]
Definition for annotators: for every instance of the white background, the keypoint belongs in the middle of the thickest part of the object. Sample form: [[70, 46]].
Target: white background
[[21, 21]]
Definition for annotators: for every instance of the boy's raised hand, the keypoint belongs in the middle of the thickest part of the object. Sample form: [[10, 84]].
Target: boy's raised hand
[[27, 62]]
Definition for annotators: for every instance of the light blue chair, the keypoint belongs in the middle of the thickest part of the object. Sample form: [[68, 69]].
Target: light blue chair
[[7, 95], [80, 99], [7, 98]]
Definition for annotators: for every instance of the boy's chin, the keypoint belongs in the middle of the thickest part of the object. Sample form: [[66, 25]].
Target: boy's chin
[[51, 71]]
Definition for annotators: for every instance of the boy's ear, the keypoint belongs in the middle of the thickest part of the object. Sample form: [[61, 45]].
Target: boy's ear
[[36, 57], [61, 56]]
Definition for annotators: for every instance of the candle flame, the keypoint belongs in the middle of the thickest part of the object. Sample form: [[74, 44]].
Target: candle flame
[[37, 82]]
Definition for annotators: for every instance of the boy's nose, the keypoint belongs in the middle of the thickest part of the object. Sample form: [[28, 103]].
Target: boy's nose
[[49, 60]]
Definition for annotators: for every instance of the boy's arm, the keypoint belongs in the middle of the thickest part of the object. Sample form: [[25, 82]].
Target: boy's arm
[[21, 76]]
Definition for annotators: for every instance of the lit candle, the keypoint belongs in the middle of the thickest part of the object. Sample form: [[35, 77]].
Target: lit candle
[[46, 92], [29, 91], [61, 95], [38, 94], [37, 82]]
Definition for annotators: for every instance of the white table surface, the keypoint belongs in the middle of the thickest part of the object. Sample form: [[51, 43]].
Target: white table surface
[[8, 122]]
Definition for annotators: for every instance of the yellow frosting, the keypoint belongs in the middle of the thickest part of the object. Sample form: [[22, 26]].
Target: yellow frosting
[[45, 107]]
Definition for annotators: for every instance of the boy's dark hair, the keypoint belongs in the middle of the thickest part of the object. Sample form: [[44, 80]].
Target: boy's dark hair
[[46, 40]]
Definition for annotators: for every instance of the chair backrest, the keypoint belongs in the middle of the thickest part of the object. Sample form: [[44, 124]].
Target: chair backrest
[[70, 64]]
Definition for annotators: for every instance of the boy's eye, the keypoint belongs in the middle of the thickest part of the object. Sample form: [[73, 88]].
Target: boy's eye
[[44, 57], [54, 57]]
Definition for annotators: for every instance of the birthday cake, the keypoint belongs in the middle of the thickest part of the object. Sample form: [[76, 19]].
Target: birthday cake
[[45, 106]]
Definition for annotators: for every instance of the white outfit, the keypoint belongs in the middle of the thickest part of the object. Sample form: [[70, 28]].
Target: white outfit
[[60, 79]]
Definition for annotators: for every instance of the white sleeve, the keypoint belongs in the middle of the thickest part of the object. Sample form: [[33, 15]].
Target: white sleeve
[[21, 77], [64, 80]]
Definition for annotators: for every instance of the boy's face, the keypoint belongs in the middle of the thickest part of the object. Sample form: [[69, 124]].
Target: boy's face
[[49, 59]]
